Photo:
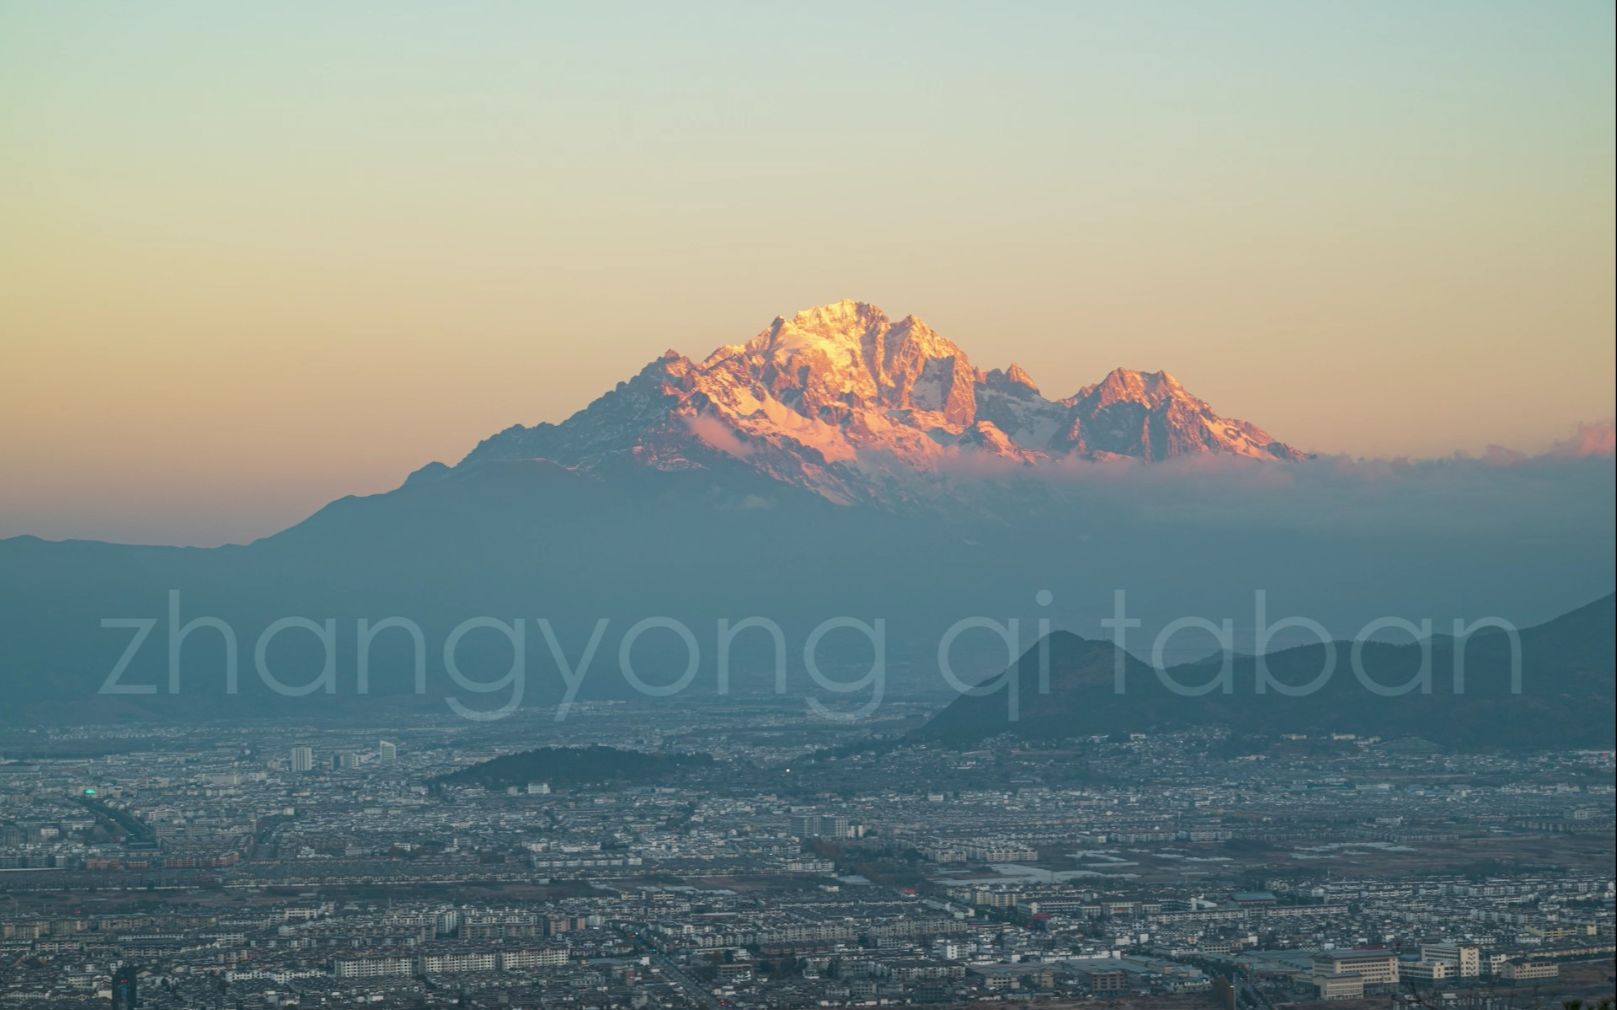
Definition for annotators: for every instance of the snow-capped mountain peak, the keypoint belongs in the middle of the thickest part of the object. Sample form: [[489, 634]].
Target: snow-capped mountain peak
[[846, 402], [1122, 384], [833, 361]]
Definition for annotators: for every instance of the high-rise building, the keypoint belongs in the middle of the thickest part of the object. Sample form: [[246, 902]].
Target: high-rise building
[[124, 995], [387, 752], [302, 759], [811, 825]]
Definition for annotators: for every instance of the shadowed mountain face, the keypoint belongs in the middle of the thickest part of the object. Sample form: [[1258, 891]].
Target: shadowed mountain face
[[839, 464], [1452, 691]]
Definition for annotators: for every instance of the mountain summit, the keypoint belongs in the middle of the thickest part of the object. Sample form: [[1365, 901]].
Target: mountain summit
[[846, 402]]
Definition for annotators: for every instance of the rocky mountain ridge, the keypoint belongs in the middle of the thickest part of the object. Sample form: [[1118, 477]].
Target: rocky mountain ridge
[[844, 401]]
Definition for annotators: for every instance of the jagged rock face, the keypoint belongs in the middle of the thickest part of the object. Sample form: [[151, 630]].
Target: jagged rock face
[[845, 402], [1149, 415], [834, 361]]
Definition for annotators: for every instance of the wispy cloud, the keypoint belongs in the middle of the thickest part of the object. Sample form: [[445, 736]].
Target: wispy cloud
[[1593, 438], [719, 435]]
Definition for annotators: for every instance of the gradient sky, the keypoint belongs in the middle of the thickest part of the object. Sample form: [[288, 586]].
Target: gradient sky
[[253, 257]]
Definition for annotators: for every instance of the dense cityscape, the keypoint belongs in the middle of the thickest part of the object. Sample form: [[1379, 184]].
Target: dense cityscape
[[744, 856]]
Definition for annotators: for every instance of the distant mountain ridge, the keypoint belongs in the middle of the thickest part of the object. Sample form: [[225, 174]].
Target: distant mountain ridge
[[841, 400], [837, 465], [1066, 686]]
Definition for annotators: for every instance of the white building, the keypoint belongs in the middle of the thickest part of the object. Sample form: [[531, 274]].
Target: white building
[[371, 967], [1376, 966], [1464, 958]]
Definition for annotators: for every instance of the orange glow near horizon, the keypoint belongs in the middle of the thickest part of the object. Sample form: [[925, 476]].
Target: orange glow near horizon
[[254, 260]]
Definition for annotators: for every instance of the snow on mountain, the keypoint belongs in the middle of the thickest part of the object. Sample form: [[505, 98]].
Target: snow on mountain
[[854, 406]]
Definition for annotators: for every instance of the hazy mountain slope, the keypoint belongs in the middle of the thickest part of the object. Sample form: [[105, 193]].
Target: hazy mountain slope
[[1566, 692], [529, 540]]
